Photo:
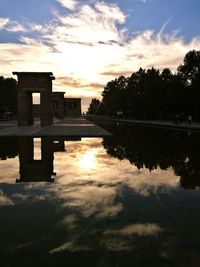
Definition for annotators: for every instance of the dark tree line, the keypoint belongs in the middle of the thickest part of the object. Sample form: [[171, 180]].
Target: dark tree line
[[8, 97], [8, 147], [154, 94]]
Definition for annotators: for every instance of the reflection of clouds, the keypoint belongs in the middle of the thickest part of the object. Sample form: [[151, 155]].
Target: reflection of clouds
[[109, 171], [126, 238], [94, 191], [92, 200], [9, 170], [123, 239], [19, 198], [88, 160], [5, 200], [83, 145], [71, 246], [113, 207], [117, 244], [68, 222], [146, 183], [93, 184], [146, 229]]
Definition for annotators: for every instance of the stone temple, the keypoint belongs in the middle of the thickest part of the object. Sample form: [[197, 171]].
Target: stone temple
[[52, 104]]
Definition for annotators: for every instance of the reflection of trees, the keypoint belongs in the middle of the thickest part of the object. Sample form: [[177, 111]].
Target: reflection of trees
[[8, 97], [8, 147], [154, 148]]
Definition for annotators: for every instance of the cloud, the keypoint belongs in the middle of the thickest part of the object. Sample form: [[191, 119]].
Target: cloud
[[146, 1], [3, 22], [116, 73], [111, 12], [91, 24], [69, 4], [89, 46], [70, 82], [11, 26], [14, 26]]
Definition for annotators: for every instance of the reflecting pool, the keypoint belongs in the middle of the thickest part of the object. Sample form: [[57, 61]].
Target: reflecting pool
[[132, 199]]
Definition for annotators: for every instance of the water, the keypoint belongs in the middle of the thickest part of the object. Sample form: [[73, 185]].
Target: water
[[127, 200]]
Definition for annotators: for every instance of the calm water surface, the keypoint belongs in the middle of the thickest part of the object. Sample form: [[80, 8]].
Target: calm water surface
[[128, 200]]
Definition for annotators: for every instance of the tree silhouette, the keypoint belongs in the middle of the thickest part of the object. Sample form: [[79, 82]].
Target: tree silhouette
[[189, 73], [93, 107], [8, 96], [151, 94], [114, 95]]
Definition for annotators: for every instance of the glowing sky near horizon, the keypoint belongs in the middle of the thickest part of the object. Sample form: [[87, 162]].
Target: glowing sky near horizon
[[87, 43]]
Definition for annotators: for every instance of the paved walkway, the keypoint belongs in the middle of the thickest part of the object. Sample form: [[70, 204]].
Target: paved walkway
[[69, 127], [165, 124]]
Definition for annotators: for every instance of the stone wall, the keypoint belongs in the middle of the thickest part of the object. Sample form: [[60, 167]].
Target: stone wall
[[58, 104], [72, 107]]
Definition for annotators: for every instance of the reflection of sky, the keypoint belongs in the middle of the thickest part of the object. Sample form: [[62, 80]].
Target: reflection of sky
[[9, 170], [97, 202], [87, 160]]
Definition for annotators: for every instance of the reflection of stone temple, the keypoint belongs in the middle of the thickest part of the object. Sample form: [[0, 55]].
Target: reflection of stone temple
[[39, 170], [35, 170]]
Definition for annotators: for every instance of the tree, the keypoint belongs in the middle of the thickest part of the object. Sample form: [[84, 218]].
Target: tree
[[189, 73], [8, 96], [151, 94], [135, 93], [190, 69], [114, 96], [93, 107], [145, 94]]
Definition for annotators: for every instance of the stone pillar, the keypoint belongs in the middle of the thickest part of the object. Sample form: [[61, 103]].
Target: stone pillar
[[46, 111], [25, 116], [79, 112], [58, 104]]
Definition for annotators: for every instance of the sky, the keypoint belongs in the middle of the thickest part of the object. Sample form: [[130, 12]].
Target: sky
[[86, 43]]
